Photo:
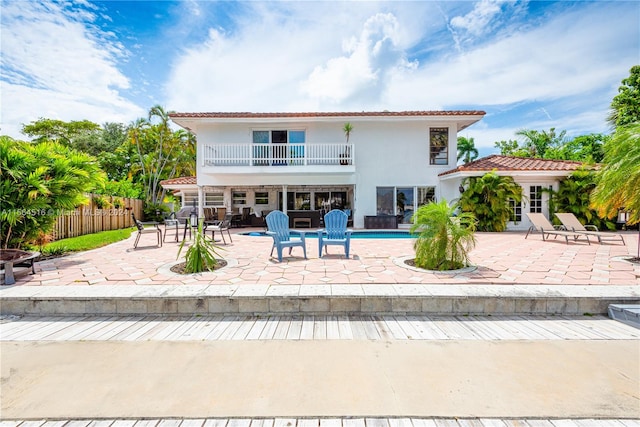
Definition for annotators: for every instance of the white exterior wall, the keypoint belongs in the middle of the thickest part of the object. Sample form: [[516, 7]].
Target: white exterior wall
[[387, 153], [395, 155]]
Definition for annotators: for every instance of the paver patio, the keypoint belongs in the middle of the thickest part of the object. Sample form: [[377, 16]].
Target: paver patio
[[501, 258]]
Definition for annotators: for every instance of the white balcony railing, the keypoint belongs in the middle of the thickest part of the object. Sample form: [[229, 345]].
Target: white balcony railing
[[277, 154]]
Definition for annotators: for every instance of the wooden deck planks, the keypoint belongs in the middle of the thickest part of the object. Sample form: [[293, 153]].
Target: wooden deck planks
[[206, 328], [326, 422]]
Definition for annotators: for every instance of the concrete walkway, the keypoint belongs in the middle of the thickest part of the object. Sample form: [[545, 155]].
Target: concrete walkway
[[321, 378], [431, 369]]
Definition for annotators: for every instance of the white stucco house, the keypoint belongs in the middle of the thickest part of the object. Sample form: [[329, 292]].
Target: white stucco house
[[392, 163]]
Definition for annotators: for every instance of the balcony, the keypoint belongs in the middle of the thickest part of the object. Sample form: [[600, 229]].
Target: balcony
[[278, 158]]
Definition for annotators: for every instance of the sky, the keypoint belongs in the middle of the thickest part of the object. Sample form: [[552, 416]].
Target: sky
[[528, 64]]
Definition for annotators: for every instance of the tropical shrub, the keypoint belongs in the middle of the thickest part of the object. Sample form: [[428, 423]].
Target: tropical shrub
[[443, 240], [201, 255], [37, 182], [101, 202], [155, 211], [118, 203], [489, 199], [574, 195]]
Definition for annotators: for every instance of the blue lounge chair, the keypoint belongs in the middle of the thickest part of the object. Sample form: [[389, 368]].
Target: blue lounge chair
[[278, 228], [335, 231]]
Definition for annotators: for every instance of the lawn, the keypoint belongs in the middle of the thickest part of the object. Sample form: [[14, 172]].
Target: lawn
[[86, 242]]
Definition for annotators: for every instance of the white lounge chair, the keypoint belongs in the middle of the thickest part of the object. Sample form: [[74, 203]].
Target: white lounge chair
[[572, 223], [541, 223]]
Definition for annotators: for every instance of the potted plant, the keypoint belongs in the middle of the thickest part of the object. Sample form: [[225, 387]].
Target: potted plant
[[443, 240], [345, 157]]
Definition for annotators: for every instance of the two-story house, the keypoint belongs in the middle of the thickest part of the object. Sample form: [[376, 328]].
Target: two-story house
[[388, 165]]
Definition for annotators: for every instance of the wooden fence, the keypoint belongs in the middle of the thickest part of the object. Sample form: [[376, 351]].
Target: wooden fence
[[89, 218]]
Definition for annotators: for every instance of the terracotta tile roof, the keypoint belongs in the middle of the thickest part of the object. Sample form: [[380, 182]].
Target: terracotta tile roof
[[183, 180], [248, 115], [508, 163]]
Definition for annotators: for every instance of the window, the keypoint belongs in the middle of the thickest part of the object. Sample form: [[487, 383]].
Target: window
[[338, 199], [262, 197], [404, 204], [535, 198], [296, 151], [402, 201], [426, 195], [296, 201], [239, 198], [516, 211], [322, 201], [303, 201], [260, 147], [210, 199], [213, 199], [190, 199], [438, 146], [384, 201], [278, 147]]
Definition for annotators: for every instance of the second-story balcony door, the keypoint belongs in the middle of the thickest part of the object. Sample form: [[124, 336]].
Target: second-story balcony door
[[279, 147]]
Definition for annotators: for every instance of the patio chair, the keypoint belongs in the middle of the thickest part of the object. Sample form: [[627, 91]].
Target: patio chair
[[278, 228], [220, 226], [171, 223], [570, 222], [541, 223], [335, 232], [151, 227]]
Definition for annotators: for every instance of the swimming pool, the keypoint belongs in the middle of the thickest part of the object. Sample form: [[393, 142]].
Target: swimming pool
[[357, 234]]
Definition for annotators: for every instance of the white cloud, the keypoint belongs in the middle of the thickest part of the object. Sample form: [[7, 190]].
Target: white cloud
[[57, 64], [477, 21], [362, 74], [296, 56], [565, 57]]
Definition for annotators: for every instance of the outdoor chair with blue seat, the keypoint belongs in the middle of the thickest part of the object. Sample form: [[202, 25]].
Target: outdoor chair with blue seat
[[335, 232], [151, 227], [278, 228]]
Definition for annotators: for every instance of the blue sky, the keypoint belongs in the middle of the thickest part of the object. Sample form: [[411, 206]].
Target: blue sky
[[528, 64]]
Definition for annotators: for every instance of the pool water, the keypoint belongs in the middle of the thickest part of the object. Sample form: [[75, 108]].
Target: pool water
[[357, 234]]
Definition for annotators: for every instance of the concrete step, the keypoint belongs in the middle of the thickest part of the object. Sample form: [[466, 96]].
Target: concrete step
[[626, 313], [317, 300]]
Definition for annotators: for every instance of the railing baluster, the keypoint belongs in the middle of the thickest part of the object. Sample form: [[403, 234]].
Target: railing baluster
[[298, 154]]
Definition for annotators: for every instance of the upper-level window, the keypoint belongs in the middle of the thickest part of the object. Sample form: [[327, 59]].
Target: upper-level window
[[274, 147], [438, 146]]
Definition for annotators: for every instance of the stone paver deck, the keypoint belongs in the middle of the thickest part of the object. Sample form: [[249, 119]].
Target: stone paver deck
[[501, 258]]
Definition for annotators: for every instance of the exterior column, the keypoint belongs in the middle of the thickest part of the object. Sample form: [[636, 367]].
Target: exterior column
[[284, 199], [200, 202]]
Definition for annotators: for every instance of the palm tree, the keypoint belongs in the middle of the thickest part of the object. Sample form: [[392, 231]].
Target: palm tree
[[347, 129], [619, 179], [467, 149], [162, 153], [444, 240], [538, 142]]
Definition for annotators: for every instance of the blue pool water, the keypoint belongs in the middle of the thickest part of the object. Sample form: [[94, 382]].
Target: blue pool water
[[357, 234]]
